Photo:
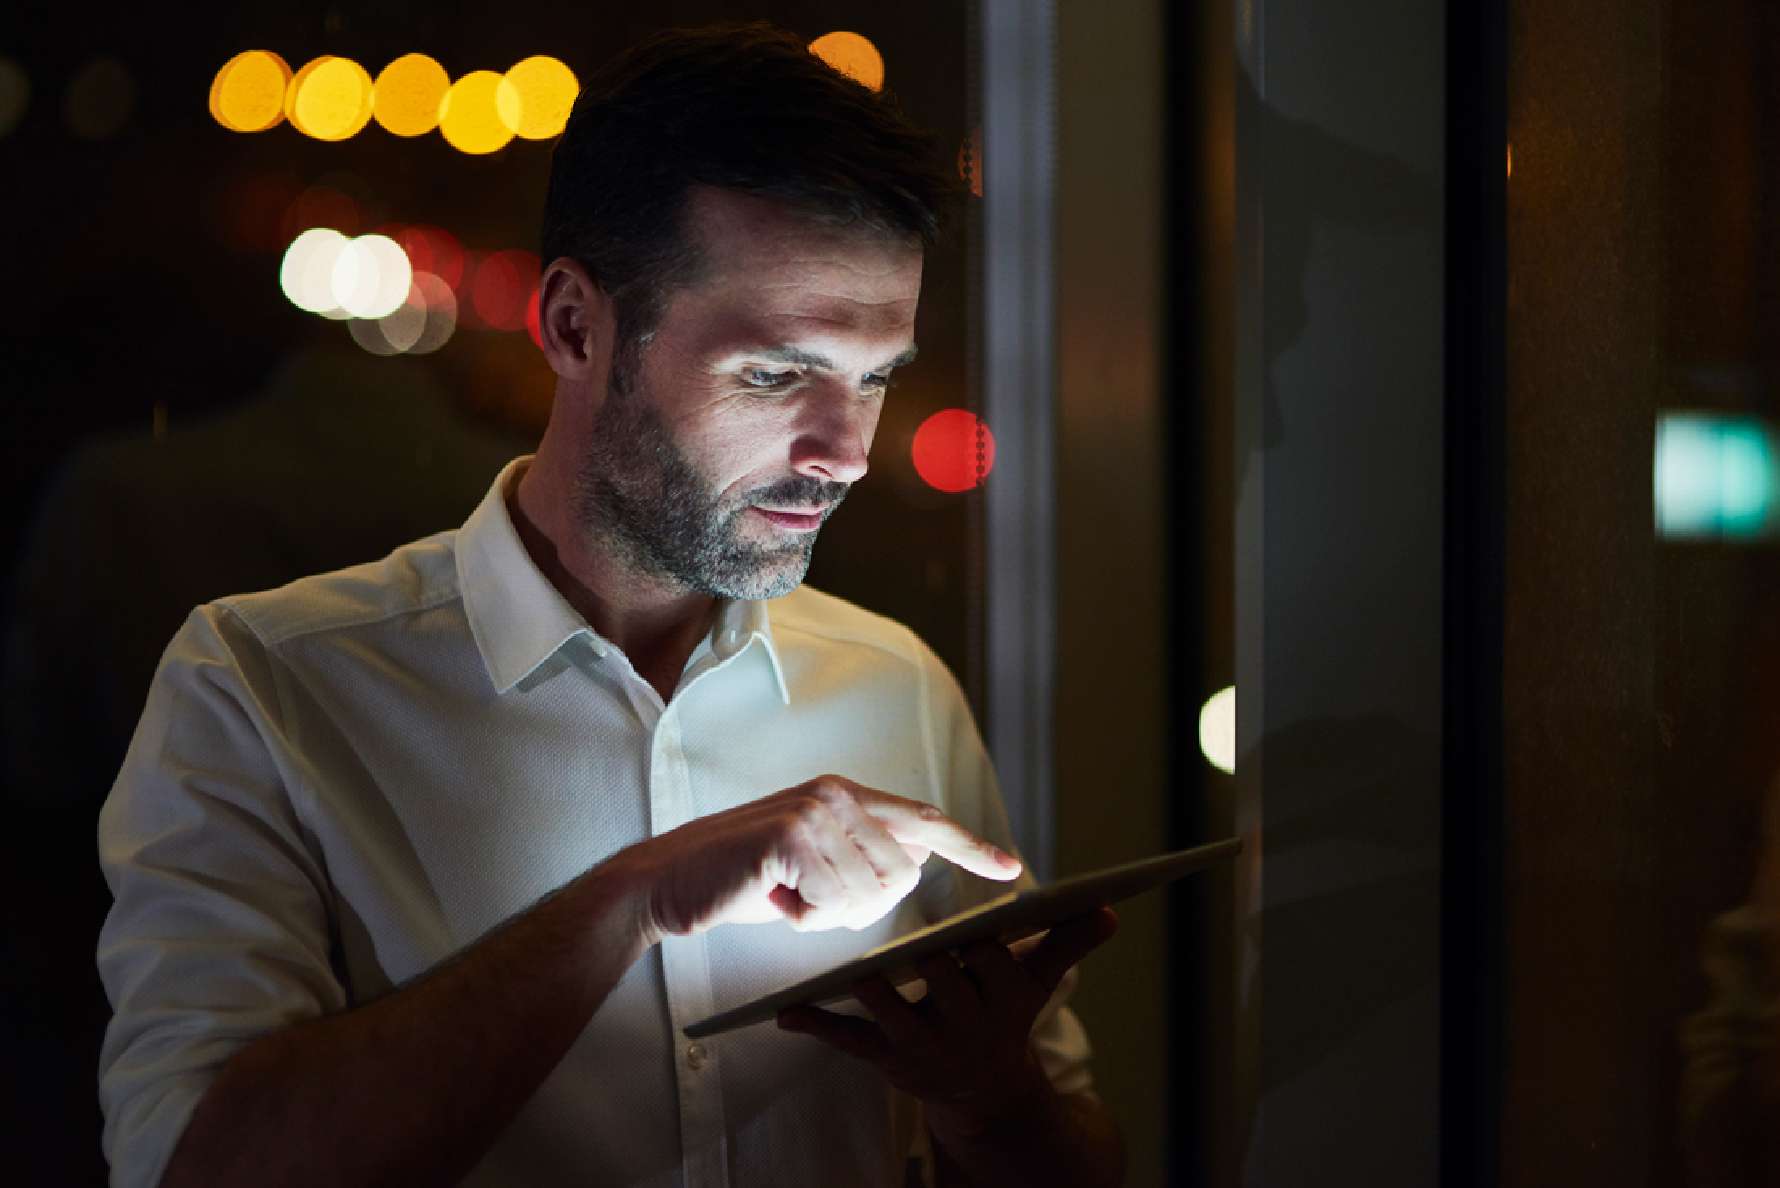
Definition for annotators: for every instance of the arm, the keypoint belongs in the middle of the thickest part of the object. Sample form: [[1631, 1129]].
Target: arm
[[416, 1086]]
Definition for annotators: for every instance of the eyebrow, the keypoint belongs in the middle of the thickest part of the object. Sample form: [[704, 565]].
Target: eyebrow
[[798, 357]]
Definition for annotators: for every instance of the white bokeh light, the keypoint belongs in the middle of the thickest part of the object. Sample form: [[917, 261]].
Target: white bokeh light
[[368, 333], [1217, 729], [307, 273], [440, 305], [371, 277], [403, 328]]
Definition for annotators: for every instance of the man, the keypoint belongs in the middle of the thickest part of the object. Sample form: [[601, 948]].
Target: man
[[421, 867]]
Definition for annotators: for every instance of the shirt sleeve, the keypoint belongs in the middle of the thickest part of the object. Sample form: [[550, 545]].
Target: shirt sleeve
[[219, 929], [968, 792]]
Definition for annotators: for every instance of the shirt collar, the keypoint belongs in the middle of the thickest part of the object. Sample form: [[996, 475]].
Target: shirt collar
[[520, 621]]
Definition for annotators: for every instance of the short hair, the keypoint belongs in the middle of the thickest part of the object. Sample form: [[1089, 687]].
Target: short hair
[[744, 107]]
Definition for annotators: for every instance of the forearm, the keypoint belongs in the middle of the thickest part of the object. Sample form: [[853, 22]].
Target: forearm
[[1070, 1141], [415, 1087]]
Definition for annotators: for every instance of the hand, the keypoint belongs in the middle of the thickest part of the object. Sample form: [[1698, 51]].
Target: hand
[[964, 1050], [829, 853]]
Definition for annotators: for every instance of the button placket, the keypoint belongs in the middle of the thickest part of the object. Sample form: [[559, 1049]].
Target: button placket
[[686, 976]]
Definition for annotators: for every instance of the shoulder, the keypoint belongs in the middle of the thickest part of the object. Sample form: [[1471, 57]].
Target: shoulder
[[813, 629], [810, 618], [416, 577]]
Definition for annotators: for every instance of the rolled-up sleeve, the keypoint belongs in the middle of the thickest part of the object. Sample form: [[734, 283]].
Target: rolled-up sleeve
[[220, 928]]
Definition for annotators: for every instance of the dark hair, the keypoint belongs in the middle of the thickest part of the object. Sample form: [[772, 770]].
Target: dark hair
[[743, 107]]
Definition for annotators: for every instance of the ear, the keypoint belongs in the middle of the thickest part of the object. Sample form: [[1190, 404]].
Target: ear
[[576, 322]]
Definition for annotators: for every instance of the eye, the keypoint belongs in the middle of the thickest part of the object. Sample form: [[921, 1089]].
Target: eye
[[877, 384], [765, 378]]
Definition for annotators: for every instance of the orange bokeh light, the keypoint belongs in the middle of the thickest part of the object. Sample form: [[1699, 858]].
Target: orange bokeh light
[[853, 55], [970, 161], [329, 99], [247, 94], [953, 451], [535, 97], [407, 94], [470, 117]]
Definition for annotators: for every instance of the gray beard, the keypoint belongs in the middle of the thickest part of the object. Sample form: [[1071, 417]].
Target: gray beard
[[641, 497]]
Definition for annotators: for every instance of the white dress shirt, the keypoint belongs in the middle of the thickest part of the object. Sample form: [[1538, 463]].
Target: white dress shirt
[[338, 784]]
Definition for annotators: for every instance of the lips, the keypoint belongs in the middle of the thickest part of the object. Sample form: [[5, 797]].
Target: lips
[[794, 521]]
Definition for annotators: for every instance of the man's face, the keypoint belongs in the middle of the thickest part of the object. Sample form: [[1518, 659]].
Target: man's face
[[755, 401]]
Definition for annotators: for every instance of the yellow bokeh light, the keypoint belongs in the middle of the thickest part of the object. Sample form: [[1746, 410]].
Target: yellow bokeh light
[[853, 55], [408, 94], [329, 99], [535, 96], [469, 116], [15, 94], [247, 94]]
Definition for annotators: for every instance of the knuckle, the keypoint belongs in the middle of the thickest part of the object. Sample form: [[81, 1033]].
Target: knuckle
[[830, 791]]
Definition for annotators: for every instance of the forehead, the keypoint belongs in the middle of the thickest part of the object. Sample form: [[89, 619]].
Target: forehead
[[772, 262]]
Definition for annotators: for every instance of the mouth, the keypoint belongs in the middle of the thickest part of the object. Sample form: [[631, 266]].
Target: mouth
[[792, 521]]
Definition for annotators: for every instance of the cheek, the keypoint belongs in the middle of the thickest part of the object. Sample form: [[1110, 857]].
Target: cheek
[[737, 452]]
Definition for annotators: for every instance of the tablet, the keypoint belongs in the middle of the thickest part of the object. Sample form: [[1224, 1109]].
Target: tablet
[[1018, 916]]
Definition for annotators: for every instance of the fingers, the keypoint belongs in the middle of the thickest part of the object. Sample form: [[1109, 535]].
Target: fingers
[[921, 825], [891, 862], [858, 1038], [899, 1020], [1067, 944]]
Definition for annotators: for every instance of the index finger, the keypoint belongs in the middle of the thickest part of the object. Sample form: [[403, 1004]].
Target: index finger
[[915, 822]]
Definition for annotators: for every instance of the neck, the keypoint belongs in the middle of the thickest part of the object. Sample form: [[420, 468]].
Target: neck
[[655, 624]]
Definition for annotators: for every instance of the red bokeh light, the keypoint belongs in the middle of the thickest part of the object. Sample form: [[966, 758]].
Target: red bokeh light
[[434, 250], [502, 288], [531, 319], [252, 216], [321, 206], [946, 450]]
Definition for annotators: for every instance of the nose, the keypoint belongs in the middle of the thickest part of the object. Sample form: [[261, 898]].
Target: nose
[[834, 436]]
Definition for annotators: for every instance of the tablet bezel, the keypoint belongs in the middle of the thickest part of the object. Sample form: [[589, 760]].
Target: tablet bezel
[[1008, 918]]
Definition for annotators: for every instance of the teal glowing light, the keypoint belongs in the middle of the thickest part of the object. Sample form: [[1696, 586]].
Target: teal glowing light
[[1717, 477]]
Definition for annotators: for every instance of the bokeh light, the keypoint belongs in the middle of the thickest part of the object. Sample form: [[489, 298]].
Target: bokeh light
[[1716, 477], [469, 115], [248, 93], [853, 55], [953, 450], [329, 99], [502, 288], [249, 214], [407, 95], [15, 94], [100, 99], [1217, 729], [534, 98], [368, 333], [431, 249], [307, 273], [970, 161], [371, 277], [533, 322], [435, 297], [402, 327], [322, 206]]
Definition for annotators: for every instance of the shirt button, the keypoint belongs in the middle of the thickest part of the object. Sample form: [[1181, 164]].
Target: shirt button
[[695, 1055]]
